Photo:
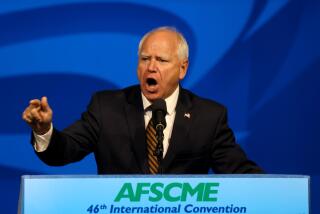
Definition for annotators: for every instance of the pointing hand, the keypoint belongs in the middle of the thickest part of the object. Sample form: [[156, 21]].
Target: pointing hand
[[38, 115]]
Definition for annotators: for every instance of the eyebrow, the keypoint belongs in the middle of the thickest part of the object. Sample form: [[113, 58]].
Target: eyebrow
[[143, 54], [158, 56]]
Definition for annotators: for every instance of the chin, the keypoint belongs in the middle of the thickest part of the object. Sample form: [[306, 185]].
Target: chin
[[152, 97]]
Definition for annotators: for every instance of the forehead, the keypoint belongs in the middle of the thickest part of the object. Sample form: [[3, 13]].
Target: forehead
[[160, 42]]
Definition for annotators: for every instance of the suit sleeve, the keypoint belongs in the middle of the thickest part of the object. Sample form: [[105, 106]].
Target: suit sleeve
[[75, 142], [227, 156]]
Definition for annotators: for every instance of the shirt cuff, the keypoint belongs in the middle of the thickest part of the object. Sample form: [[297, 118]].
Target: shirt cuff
[[41, 142]]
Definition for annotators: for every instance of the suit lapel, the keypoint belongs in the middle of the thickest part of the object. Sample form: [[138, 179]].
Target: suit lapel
[[135, 116], [181, 126]]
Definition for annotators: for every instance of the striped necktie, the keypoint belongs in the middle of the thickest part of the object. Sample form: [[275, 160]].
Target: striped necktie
[[151, 145]]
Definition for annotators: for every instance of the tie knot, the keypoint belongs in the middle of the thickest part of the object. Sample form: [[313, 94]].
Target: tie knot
[[149, 108]]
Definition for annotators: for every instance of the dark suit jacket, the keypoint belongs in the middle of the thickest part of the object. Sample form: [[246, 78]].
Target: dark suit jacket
[[113, 128]]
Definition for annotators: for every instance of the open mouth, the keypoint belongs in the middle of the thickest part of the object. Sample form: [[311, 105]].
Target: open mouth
[[151, 82]]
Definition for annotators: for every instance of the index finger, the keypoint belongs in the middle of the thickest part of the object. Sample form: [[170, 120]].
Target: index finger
[[35, 102]]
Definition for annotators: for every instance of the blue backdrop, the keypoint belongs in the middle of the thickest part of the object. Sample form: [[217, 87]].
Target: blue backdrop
[[261, 58]]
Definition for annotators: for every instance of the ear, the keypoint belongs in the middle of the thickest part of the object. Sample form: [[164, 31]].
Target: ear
[[183, 69]]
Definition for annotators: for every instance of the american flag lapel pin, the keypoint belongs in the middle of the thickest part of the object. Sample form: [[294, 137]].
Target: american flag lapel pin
[[187, 115]]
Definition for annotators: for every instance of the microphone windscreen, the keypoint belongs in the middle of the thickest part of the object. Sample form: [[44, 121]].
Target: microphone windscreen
[[159, 111], [159, 105]]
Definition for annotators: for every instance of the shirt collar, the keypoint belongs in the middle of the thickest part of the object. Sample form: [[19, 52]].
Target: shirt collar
[[171, 101]]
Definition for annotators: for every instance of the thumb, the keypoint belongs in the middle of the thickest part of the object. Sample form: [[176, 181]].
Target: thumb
[[44, 104]]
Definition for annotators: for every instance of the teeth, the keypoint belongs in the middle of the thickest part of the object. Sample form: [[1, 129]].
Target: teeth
[[151, 81]]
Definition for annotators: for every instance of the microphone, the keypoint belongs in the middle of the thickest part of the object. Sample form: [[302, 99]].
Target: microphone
[[159, 111]]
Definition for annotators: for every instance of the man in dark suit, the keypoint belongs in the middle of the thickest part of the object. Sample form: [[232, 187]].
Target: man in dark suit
[[196, 138]]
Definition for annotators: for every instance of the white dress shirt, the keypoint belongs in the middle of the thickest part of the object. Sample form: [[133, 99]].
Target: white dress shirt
[[42, 141]]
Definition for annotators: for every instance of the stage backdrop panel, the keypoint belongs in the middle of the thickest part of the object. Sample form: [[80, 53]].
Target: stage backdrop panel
[[260, 58]]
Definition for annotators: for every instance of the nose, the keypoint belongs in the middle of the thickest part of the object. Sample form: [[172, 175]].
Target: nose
[[152, 67]]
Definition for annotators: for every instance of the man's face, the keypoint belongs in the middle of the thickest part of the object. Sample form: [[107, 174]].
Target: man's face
[[159, 67]]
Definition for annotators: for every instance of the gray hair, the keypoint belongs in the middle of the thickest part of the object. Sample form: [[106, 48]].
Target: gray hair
[[183, 48]]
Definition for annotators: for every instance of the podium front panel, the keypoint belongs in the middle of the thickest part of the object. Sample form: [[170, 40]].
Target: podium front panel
[[255, 194]]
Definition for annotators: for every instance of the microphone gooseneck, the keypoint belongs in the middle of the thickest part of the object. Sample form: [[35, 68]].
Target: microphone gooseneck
[[159, 111]]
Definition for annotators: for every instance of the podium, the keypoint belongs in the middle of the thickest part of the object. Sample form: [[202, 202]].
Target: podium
[[252, 194]]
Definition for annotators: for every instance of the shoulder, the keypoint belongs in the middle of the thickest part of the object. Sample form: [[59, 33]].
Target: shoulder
[[202, 104], [117, 94]]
